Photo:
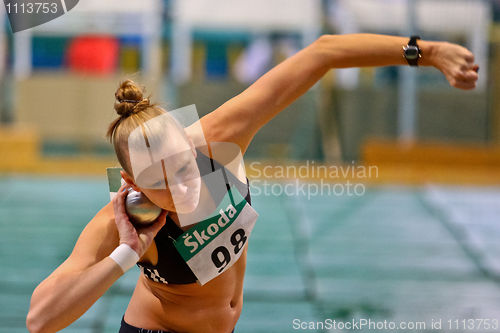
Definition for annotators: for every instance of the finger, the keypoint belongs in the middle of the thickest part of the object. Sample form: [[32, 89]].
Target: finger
[[121, 193], [160, 221], [119, 205], [470, 75], [162, 216], [469, 57], [123, 187], [119, 199], [465, 85], [466, 76]]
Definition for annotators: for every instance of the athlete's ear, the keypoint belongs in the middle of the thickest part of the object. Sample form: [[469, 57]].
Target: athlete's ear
[[129, 180]]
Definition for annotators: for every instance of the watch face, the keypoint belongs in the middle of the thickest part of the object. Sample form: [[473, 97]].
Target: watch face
[[411, 52]]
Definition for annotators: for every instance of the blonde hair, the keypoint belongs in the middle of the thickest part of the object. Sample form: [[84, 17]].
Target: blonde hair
[[134, 110]]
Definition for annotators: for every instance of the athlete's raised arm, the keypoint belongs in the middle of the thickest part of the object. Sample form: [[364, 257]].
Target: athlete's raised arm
[[241, 117]]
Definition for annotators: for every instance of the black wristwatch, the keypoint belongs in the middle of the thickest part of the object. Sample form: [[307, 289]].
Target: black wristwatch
[[412, 52]]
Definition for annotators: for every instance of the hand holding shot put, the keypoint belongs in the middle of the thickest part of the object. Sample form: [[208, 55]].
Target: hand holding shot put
[[138, 238]]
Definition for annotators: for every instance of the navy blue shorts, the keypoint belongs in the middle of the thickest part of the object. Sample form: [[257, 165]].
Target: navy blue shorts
[[127, 328]]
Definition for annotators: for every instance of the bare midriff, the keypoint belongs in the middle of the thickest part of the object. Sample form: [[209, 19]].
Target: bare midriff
[[213, 307]]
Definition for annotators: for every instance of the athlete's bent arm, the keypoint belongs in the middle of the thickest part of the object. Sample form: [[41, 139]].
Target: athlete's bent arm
[[64, 297], [241, 117], [89, 271]]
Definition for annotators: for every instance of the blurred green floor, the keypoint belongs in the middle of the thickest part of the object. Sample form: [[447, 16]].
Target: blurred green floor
[[395, 253]]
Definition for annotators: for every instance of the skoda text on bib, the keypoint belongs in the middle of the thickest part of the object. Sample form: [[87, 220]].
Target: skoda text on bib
[[215, 244]]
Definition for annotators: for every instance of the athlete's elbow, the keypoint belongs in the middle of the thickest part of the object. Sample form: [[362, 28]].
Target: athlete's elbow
[[325, 39], [34, 323], [323, 49], [37, 321], [37, 324]]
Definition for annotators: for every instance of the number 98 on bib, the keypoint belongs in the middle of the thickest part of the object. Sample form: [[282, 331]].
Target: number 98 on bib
[[213, 245]]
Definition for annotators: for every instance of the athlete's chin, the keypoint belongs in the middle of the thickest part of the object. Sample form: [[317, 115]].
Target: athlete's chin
[[188, 203], [187, 206]]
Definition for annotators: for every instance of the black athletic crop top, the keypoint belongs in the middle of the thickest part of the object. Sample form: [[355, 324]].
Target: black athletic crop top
[[171, 268]]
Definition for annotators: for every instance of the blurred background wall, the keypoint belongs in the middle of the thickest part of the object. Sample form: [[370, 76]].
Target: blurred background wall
[[422, 242], [58, 79]]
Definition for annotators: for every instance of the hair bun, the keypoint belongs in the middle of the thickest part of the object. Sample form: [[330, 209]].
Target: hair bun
[[129, 99]]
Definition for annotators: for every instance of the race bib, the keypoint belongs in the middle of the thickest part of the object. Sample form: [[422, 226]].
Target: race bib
[[215, 244]]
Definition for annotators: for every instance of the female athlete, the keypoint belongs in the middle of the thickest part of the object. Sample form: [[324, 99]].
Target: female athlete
[[167, 297]]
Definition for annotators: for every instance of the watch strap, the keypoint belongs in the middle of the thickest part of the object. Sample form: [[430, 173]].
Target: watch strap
[[413, 43], [413, 40]]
